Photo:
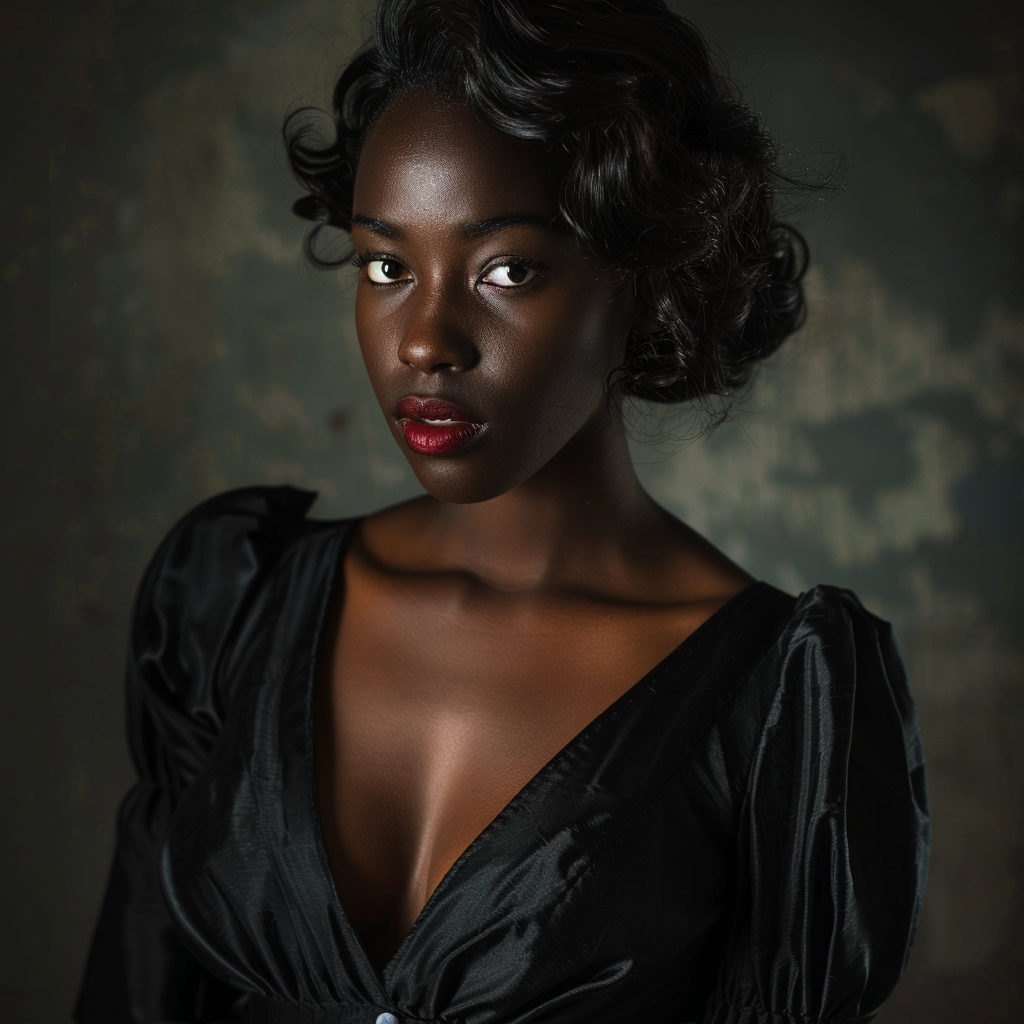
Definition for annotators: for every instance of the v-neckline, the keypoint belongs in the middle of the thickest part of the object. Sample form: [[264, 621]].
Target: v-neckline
[[333, 578]]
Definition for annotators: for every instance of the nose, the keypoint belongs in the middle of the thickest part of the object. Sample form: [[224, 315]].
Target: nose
[[437, 336]]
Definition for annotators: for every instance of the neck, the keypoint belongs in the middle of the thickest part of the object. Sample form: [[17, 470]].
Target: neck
[[568, 525]]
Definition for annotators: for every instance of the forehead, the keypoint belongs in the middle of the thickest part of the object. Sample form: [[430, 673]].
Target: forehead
[[427, 159]]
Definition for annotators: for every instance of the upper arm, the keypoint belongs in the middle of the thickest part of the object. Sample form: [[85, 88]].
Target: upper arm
[[187, 610], [834, 829]]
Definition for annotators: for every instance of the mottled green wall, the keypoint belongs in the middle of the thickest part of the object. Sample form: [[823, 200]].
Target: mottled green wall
[[163, 341]]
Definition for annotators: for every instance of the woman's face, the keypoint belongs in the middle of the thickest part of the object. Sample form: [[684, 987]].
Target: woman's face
[[487, 332]]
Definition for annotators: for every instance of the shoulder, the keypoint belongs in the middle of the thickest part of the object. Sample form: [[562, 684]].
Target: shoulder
[[258, 514], [826, 627], [232, 532], [205, 571], [193, 599], [833, 609], [829, 699], [832, 630], [835, 662], [811, 660]]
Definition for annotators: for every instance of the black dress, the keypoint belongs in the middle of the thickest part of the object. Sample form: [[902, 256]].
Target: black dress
[[740, 838]]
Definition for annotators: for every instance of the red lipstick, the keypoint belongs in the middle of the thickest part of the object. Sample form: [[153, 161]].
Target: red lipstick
[[433, 426]]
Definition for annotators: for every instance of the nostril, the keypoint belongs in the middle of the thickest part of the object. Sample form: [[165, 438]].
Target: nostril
[[438, 352]]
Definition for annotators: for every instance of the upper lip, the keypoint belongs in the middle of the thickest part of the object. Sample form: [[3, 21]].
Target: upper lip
[[414, 408]]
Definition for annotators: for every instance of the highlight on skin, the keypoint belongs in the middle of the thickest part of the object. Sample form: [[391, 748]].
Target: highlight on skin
[[668, 176], [467, 296]]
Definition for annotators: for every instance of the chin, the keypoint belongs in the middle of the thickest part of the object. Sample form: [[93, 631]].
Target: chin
[[478, 474], [453, 481]]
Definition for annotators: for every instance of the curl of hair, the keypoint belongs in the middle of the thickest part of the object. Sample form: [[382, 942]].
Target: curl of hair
[[671, 176]]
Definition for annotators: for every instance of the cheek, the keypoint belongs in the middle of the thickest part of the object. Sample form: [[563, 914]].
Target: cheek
[[563, 346], [545, 356], [371, 332]]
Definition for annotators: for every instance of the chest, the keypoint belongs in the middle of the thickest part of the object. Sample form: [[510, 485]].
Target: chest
[[617, 852], [435, 705]]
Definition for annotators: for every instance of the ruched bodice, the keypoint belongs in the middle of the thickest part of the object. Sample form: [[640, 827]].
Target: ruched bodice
[[740, 838]]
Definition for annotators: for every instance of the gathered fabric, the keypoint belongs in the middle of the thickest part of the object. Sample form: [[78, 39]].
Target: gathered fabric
[[740, 838]]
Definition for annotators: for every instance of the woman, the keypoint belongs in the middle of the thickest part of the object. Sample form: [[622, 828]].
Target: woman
[[526, 748]]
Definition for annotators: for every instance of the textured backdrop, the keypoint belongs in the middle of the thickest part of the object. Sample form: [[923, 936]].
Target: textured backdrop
[[162, 341]]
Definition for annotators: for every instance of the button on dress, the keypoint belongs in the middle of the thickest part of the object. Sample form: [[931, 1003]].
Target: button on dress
[[740, 838]]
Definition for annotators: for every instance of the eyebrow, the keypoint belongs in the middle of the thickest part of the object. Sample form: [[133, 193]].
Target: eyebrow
[[476, 229], [480, 228], [378, 227]]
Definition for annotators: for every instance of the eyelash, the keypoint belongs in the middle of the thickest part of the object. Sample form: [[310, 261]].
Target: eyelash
[[361, 259]]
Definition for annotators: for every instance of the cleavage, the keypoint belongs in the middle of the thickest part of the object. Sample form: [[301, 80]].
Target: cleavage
[[433, 712]]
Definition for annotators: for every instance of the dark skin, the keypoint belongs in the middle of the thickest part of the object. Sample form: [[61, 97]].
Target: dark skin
[[477, 629]]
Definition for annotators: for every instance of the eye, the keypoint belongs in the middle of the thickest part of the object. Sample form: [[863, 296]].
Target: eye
[[510, 275], [385, 271]]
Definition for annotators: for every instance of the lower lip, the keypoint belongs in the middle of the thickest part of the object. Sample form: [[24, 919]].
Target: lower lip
[[438, 438]]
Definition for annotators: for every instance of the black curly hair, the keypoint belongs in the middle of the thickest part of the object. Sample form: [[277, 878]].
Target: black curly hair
[[671, 177]]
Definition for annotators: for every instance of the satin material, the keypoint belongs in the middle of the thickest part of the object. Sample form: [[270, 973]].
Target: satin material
[[741, 838]]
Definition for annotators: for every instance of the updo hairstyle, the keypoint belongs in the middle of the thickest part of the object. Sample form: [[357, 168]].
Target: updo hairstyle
[[670, 174]]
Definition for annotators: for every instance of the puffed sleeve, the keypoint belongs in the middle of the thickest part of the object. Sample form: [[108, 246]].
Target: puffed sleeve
[[834, 833], [190, 603]]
